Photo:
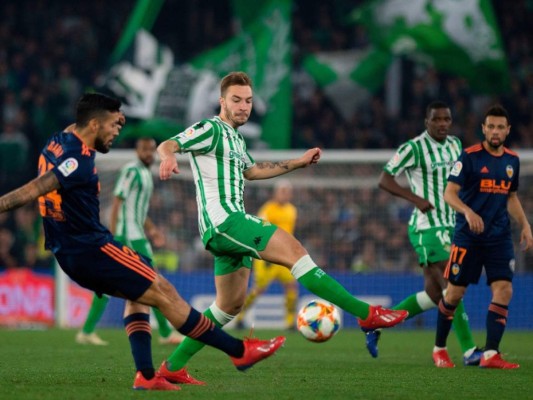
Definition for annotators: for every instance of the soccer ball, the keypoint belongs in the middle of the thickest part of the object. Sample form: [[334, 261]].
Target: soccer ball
[[318, 321]]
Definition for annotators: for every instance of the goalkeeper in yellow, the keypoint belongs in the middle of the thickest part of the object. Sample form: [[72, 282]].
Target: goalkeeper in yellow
[[281, 212]]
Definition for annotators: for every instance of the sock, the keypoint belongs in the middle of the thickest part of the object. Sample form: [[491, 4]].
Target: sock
[[162, 323], [416, 304], [95, 313], [444, 322], [462, 329], [140, 335], [496, 321], [318, 282], [202, 329], [291, 296], [189, 347]]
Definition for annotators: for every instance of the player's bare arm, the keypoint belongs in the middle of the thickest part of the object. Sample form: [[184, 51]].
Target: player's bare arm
[[30, 191], [389, 184], [266, 169], [451, 196], [514, 207], [168, 164]]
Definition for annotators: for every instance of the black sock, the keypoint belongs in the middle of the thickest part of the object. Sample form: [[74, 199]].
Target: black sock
[[496, 321], [140, 336], [444, 323]]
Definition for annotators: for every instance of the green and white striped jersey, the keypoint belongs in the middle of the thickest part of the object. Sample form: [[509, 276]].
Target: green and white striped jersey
[[427, 164], [218, 157], [135, 186]]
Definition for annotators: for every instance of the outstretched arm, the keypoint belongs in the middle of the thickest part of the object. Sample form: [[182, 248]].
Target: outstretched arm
[[265, 170], [30, 191], [168, 164], [389, 184]]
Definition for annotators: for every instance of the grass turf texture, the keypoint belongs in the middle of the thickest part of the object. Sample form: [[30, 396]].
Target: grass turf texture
[[50, 365]]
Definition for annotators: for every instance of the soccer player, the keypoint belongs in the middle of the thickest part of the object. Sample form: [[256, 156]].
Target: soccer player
[[220, 164], [482, 188], [427, 160], [67, 188], [131, 225], [281, 212]]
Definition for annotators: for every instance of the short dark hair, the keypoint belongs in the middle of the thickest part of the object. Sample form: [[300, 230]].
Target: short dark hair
[[435, 105], [497, 110], [234, 78], [92, 105]]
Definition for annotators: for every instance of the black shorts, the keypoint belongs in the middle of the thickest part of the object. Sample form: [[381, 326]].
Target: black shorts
[[112, 269], [468, 259]]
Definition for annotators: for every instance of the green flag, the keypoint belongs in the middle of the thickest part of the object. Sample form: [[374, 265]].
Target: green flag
[[167, 98], [458, 37], [348, 78]]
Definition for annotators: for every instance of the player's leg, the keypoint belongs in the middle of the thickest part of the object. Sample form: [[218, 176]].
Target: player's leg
[[498, 262], [262, 274], [447, 307], [231, 292], [87, 335], [284, 249]]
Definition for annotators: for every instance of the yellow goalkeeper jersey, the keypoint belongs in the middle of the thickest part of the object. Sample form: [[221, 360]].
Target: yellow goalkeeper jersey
[[282, 215]]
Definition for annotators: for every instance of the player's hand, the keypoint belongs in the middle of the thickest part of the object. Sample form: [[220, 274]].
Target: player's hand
[[475, 222], [526, 239], [167, 167], [311, 156], [424, 205]]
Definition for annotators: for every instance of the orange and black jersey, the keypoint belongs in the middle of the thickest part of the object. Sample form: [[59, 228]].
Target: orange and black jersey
[[71, 215], [486, 182]]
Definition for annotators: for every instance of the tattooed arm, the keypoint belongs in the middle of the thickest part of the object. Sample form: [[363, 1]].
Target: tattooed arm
[[265, 170], [30, 191]]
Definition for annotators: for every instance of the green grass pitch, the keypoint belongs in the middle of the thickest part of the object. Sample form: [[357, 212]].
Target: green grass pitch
[[50, 365]]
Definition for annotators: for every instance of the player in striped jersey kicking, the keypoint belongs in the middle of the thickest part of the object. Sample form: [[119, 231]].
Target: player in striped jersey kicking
[[427, 160], [67, 188], [220, 164]]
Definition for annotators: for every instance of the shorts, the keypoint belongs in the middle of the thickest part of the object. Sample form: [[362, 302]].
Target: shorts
[[432, 245], [265, 273], [239, 238], [141, 246], [113, 269], [467, 261]]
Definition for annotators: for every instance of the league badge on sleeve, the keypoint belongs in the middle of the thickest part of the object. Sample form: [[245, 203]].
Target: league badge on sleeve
[[457, 168], [68, 166]]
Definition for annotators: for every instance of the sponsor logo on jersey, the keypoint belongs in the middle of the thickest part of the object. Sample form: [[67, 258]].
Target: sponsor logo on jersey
[[68, 166], [510, 171], [491, 186], [484, 170], [457, 168], [237, 155]]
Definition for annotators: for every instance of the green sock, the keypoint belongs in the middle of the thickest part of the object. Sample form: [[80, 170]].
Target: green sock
[[323, 285], [95, 313], [462, 328], [409, 304], [188, 348], [162, 323], [416, 303]]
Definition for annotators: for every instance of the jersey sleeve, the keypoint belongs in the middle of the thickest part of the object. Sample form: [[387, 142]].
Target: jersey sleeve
[[200, 137], [125, 182], [74, 169], [404, 158], [249, 161], [516, 177], [460, 170]]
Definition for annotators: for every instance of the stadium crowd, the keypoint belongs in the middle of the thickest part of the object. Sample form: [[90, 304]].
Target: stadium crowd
[[51, 52]]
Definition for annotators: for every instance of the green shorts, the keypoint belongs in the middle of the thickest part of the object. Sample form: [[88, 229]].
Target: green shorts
[[432, 245], [239, 238]]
